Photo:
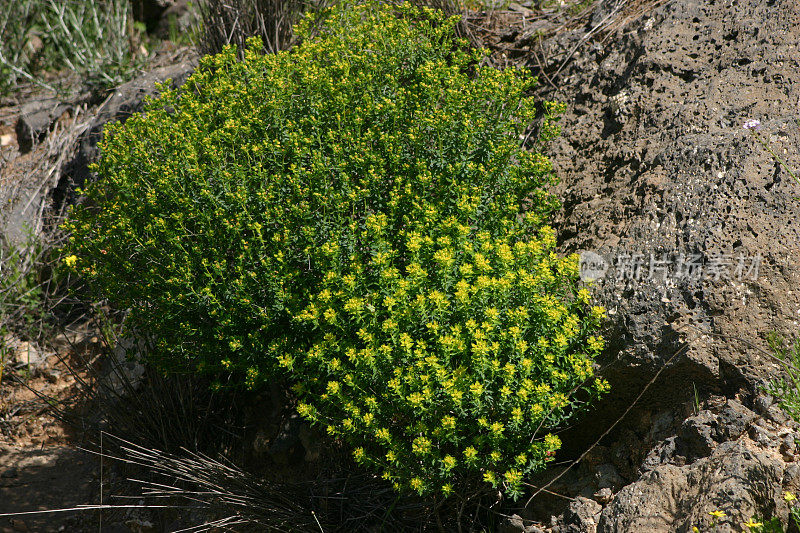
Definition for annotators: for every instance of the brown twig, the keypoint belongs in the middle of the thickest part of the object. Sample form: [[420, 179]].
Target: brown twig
[[610, 428]]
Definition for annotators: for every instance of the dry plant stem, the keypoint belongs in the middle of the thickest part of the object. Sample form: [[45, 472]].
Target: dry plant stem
[[24, 74], [232, 22], [2, 370], [636, 11], [600, 25], [778, 158], [86, 508], [221, 485], [607, 431], [36, 256], [60, 147], [539, 64]]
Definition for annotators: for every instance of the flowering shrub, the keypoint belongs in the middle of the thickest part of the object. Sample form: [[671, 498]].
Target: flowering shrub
[[210, 207], [359, 213], [455, 365]]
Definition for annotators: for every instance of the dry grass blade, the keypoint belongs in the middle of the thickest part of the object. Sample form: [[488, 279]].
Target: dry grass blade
[[633, 11], [347, 504], [600, 26], [234, 21], [182, 414]]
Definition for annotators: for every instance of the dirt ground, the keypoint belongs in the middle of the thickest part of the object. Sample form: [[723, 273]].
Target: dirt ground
[[41, 464]]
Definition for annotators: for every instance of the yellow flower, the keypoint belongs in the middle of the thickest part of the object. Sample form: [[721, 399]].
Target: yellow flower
[[552, 442], [584, 296], [456, 395], [358, 454], [751, 524], [718, 514], [596, 344], [70, 260], [416, 399], [471, 454], [513, 477], [421, 445], [304, 410], [789, 496]]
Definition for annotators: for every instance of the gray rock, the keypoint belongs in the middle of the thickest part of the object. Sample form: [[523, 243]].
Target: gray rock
[[178, 17], [123, 373], [777, 415], [607, 476], [735, 479], [656, 168], [582, 516], [733, 420], [667, 172], [140, 526], [697, 435], [664, 452], [791, 477], [762, 403], [761, 435], [25, 354], [517, 524], [789, 443], [287, 447], [603, 496], [35, 120], [512, 524], [312, 441], [127, 99]]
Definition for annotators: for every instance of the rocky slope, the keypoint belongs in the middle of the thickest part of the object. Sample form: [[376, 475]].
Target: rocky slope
[[697, 225]]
